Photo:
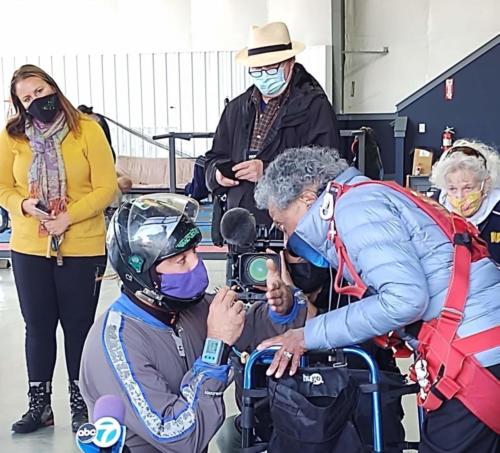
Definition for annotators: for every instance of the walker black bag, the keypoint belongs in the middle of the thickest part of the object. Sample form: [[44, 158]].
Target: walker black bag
[[312, 412], [392, 387]]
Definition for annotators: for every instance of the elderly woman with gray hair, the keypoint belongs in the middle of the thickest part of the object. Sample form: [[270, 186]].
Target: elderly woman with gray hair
[[468, 179], [401, 258]]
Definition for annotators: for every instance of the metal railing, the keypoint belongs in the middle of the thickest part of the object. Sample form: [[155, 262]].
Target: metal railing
[[153, 93], [172, 136]]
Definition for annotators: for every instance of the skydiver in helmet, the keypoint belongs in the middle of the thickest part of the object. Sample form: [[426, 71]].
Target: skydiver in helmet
[[163, 345]]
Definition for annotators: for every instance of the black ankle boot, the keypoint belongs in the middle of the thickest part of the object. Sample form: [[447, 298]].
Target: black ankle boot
[[79, 413], [39, 413]]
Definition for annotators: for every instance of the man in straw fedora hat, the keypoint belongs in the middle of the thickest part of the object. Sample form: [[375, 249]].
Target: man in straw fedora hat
[[284, 108]]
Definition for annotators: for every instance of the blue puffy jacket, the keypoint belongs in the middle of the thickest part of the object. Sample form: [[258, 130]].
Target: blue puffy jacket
[[404, 258]]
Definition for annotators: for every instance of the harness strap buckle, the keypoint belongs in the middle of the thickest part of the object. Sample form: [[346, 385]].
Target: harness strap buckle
[[452, 314], [447, 387], [463, 239], [331, 231], [326, 210]]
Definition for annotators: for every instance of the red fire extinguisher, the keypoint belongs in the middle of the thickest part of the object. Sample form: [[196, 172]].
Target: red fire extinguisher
[[448, 134]]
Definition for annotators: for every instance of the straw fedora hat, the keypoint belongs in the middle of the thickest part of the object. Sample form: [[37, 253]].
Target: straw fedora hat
[[268, 45]]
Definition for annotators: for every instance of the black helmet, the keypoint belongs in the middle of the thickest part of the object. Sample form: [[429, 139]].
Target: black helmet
[[144, 232]]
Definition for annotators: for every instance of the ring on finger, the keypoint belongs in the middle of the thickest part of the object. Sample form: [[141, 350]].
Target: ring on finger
[[288, 355]]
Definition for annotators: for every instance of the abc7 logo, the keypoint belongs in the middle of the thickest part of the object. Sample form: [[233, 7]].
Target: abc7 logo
[[86, 433], [106, 432]]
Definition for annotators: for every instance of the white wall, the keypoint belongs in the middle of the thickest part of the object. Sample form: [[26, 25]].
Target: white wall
[[57, 27], [224, 24], [425, 37], [309, 20], [129, 26], [121, 56]]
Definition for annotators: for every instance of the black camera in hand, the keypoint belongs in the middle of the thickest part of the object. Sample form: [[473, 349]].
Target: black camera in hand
[[247, 245]]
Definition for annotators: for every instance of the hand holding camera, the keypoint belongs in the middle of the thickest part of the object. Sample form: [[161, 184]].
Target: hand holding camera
[[226, 317]]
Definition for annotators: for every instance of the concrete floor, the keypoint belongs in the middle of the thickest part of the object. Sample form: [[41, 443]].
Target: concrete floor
[[60, 439]]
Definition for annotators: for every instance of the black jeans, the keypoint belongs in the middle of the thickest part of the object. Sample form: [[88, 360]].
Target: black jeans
[[454, 429], [49, 294]]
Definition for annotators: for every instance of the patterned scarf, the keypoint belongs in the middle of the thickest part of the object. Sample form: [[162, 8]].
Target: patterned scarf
[[46, 176]]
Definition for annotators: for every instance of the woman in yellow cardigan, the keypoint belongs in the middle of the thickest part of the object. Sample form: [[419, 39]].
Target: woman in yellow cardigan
[[56, 178]]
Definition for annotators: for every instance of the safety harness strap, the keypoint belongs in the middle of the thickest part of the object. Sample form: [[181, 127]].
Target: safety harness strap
[[447, 362]]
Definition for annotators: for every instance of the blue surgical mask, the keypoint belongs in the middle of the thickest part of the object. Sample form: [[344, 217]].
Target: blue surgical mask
[[271, 85]]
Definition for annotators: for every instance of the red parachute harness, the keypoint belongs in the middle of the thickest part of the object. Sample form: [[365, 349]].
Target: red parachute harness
[[445, 367]]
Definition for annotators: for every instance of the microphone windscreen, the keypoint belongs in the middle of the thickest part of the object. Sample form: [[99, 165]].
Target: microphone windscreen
[[238, 227], [109, 406]]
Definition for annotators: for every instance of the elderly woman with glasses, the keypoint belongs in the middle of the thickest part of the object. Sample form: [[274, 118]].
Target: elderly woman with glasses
[[468, 179], [400, 263]]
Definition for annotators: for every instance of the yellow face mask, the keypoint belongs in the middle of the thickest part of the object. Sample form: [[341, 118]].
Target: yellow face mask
[[468, 205]]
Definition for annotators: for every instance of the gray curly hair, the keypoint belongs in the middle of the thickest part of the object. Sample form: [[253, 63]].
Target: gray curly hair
[[487, 166], [294, 171]]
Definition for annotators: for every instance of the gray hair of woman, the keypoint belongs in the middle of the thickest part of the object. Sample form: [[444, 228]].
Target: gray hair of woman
[[297, 170], [481, 160]]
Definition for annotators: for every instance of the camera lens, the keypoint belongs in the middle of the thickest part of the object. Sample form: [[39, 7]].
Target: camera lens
[[257, 269]]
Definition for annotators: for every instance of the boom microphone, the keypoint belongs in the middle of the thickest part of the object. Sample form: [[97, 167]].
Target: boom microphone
[[107, 433], [109, 406], [238, 227]]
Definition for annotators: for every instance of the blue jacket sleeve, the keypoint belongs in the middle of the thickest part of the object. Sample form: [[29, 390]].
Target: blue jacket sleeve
[[380, 246]]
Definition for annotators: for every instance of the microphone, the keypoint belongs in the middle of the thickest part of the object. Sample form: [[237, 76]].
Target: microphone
[[109, 406], [238, 227], [107, 433]]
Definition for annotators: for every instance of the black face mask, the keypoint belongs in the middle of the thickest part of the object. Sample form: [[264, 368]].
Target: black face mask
[[45, 109], [308, 277]]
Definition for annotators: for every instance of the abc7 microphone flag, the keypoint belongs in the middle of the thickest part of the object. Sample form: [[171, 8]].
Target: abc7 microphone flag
[[106, 434]]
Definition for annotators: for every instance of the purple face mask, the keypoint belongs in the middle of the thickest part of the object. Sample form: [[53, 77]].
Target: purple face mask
[[186, 285]]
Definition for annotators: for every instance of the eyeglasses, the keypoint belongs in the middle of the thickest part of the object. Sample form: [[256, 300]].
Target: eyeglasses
[[257, 72], [468, 152]]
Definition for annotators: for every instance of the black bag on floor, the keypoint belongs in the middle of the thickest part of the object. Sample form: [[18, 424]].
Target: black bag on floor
[[312, 412]]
